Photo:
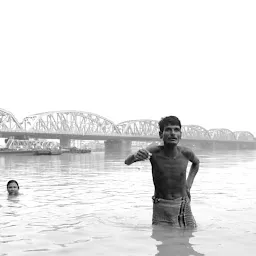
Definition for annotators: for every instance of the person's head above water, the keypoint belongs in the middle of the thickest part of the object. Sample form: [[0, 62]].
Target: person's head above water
[[13, 187]]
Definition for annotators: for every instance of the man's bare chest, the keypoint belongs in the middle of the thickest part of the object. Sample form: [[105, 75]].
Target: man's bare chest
[[169, 167]]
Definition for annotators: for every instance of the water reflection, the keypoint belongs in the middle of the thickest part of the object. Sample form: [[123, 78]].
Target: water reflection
[[13, 198], [173, 241]]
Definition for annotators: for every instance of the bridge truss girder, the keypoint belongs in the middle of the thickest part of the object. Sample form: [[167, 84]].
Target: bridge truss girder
[[76, 122], [8, 121], [194, 132], [222, 134], [145, 127], [244, 135]]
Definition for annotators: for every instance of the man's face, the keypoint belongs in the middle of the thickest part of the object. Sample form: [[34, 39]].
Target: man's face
[[171, 134]]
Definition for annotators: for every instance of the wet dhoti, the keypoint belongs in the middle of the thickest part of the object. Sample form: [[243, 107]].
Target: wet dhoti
[[176, 212]]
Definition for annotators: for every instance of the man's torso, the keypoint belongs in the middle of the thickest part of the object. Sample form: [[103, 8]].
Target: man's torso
[[169, 174]]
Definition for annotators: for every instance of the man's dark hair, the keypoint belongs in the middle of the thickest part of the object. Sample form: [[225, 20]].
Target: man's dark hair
[[13, 181], [173, 120]]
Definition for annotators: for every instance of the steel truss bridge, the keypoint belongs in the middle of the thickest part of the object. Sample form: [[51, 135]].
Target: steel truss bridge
[[88, 126]]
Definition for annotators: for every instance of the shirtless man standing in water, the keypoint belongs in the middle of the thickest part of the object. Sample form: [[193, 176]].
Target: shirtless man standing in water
[[171, 200]]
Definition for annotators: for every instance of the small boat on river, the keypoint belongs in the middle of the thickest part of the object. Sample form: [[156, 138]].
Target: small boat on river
[[6, 151], [48, 152], [80, 150]]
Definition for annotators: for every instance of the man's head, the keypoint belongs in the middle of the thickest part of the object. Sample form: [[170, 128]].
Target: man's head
[[170, 129], [173, 120]]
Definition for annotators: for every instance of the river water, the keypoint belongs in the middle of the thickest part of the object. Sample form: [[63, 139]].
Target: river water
[[93, 204]]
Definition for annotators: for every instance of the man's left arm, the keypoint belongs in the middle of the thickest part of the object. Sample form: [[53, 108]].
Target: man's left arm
[[193, 169]]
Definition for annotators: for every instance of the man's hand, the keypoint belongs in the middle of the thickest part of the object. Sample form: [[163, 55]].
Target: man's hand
[[142, 154]]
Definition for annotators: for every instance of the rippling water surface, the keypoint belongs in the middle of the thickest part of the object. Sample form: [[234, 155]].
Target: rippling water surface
[[93, 204]]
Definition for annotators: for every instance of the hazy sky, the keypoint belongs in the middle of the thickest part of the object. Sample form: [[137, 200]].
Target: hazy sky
[[131, 60]]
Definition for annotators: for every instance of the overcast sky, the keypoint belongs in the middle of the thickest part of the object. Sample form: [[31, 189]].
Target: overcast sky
[[128, 60]]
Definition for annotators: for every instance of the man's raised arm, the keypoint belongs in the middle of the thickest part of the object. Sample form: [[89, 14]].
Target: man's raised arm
[[140, 155], [130, 159]]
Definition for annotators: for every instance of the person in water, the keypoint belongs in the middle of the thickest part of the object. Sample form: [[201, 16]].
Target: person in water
[[171, 200], [13, 188]]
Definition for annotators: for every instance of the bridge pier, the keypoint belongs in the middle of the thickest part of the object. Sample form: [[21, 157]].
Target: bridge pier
[[117, 146], [197, 144], [245, 145], [223, 145], [65, 142]]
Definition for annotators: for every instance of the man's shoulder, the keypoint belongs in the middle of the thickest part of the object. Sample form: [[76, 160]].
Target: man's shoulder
[[154, 148], [186, 151]]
